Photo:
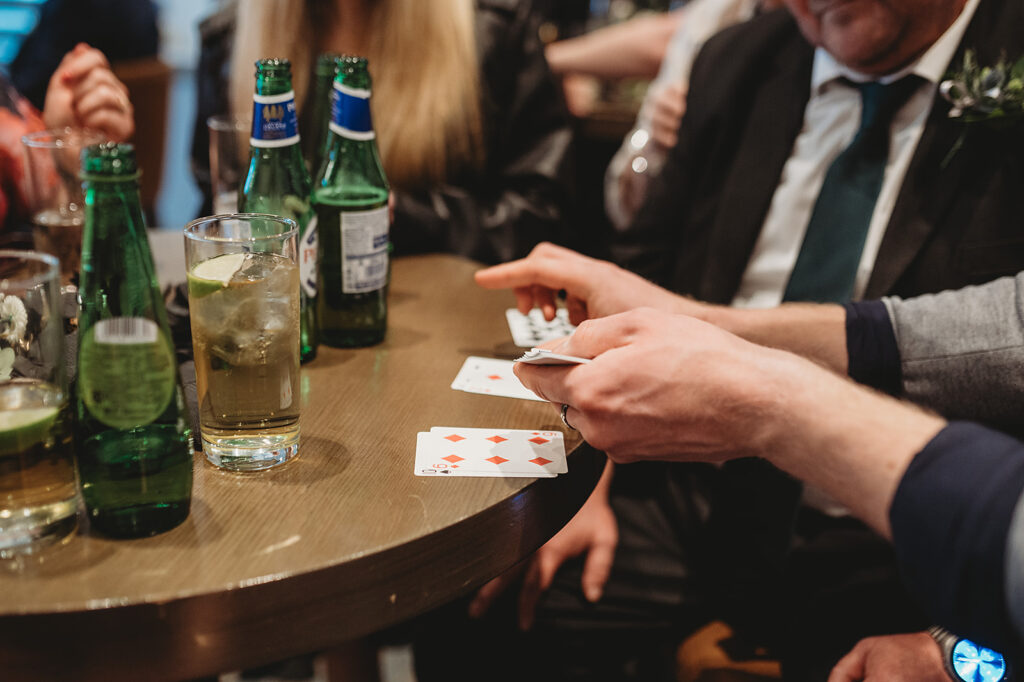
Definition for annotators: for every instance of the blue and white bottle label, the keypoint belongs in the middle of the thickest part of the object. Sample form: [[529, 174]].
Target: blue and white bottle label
[[308, 257], [350, 113], [274, 121], [364, 250]]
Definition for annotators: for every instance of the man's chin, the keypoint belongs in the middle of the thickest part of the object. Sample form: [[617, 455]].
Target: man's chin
[[859, 41]]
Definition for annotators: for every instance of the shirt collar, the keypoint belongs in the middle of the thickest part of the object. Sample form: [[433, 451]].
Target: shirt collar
[[931, 66]]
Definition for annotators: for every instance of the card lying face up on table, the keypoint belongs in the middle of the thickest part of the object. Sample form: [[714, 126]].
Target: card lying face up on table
[[510, 453]]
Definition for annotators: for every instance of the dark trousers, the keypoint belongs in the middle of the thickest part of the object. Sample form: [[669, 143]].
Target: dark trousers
[[678, 566], [653, 599]]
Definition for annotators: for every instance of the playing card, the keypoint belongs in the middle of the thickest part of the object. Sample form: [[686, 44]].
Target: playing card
[[460, 451], [543, 356], [520, 446], [531, 330], [491, 376]]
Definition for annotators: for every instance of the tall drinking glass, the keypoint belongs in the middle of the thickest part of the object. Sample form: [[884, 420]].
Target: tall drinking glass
[[56, 201], [243, 295], [38, 490], [229, 155]]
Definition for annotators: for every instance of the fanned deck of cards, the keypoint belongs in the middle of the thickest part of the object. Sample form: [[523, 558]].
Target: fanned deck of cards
[[491, 376], [532, 330], [507, 453], [543, 356]]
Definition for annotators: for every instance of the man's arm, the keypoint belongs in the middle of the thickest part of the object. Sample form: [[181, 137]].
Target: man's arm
[[957, 352], [962, 351], [664, 386]]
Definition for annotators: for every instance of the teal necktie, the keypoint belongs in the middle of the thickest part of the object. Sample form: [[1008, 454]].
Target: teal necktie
[[827, 264], [754, 508]]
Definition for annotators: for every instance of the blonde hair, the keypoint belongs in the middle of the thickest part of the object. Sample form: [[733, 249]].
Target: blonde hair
[[423, 60]]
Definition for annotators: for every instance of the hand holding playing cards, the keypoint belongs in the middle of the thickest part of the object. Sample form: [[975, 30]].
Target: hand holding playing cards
[[673, 387], [593, 288], [592, 531], [662, 386]]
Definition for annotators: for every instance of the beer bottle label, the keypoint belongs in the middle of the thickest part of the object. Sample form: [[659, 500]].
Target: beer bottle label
[[126, 371], [350, 113], [364, 250], [274, 123], [308, 256]]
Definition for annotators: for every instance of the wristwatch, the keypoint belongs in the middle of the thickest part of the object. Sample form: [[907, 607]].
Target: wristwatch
[[966, 661]]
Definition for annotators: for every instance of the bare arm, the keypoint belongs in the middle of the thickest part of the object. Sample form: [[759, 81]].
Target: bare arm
[[631, 49], [816, 331]]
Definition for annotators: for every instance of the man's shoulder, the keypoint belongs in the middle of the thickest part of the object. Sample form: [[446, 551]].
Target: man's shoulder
[[755, 42], [736, 63]]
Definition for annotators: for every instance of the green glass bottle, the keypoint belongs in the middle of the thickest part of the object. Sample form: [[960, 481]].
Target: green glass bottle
[[278, 183], [314, 144], [350, 196], [132, 438]]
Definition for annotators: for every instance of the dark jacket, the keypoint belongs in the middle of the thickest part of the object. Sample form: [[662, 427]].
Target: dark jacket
[[954, 223], [492, 215]]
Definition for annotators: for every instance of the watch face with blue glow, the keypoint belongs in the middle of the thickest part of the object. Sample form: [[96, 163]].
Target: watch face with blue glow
[[974, 663]]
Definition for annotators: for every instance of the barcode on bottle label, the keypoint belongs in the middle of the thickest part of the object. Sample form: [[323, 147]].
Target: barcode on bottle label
[[126, 330], [364, 250]]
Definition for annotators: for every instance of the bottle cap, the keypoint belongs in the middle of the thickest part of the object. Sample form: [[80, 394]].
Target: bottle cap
[[274, 67], [352, 71], [110, 160]]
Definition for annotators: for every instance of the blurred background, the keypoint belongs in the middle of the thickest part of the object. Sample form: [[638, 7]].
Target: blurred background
[[159, 70]]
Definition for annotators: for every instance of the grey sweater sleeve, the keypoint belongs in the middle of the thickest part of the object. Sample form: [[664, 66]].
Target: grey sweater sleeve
[[962, 352]]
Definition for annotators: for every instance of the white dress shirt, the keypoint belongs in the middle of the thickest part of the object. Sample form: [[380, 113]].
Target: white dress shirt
[[831, 120]]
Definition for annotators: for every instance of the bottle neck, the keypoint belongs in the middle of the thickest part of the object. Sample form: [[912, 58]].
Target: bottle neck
[[350, 113], [274, 118], [272, 84], [110, 203]]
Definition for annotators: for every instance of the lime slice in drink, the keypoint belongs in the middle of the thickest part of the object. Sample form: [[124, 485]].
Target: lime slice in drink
[[214, 274], [21, 429]]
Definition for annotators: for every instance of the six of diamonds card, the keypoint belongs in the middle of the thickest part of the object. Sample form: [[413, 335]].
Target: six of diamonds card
[[459, 451]]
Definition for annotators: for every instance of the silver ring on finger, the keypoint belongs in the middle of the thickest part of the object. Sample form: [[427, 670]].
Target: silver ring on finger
[[565, 409]]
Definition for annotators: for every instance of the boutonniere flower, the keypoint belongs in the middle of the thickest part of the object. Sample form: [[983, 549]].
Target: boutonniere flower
[[985, 93], [992, 95]]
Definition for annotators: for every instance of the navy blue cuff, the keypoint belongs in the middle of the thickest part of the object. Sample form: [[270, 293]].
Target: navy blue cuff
[[872, 353], [950, 518]]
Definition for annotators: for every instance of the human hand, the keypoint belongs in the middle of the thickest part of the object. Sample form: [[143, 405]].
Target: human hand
[[669, 104], [581, 93], [892, 658], [664, 386], [594, 288], [84, 93], [592, 530], [671, 387]]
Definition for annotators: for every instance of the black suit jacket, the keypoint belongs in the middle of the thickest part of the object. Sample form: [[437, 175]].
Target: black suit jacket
[[956, 222]]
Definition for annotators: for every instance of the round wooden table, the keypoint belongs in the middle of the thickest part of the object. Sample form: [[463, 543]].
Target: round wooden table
[[339, 543]]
